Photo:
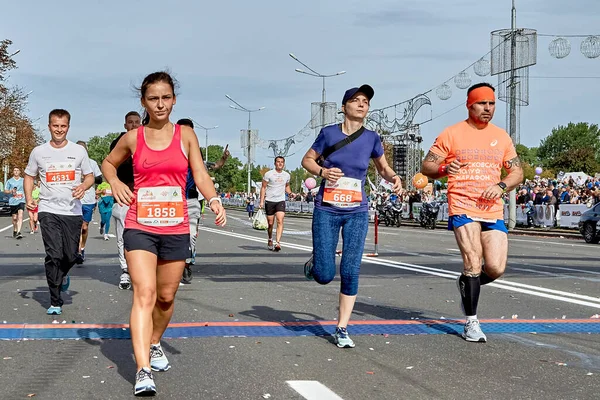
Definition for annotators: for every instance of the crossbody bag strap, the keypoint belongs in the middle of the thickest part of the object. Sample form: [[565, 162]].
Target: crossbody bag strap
[[345, 141]]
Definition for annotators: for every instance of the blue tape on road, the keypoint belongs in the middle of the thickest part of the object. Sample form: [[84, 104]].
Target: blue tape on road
[[422, 327]]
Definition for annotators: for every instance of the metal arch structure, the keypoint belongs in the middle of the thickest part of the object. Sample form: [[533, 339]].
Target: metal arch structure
[[397, 127], [282, 152], [398, 117]]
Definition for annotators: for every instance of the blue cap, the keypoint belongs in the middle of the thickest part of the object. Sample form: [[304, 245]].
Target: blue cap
[[364, 89]]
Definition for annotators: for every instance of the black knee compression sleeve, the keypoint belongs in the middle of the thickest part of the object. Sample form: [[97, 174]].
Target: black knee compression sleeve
[[469, 292], [485, 278]]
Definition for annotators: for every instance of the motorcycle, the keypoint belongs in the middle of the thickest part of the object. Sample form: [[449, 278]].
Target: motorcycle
[[390, 213], [530, 213], [428, 215]]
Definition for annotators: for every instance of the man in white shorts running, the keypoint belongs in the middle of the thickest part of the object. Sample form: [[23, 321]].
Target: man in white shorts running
[[275, 184]]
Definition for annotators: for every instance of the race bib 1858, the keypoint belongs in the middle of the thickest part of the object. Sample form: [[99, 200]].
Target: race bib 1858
[[160, 206]]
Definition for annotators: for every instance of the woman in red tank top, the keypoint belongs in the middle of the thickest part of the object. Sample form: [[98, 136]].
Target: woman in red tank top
[[156, 235]]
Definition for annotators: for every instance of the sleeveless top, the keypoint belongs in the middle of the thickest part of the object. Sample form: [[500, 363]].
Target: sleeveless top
[[159, 204]]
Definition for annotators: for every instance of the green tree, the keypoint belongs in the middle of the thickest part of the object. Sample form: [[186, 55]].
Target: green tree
[[555, 148], [298, 176], [99, 146], [527, 155], [17, 135], [577, 159]]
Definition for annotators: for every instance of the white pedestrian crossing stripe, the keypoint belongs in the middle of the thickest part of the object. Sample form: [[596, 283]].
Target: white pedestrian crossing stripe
[[313, 390]]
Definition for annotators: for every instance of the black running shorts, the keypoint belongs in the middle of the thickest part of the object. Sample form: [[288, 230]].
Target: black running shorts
[[165, 247], [15, 209], [272, 207]]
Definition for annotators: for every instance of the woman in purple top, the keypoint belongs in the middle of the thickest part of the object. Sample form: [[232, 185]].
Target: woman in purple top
[[341, 203]]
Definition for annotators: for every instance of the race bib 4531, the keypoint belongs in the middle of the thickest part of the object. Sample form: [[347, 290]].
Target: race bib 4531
[[60, 173], [160, 206]]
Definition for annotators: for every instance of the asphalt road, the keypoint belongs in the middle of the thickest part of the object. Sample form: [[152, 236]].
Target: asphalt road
[[251, 327]]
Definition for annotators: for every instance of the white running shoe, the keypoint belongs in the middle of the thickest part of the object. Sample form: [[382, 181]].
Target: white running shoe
[[473, 332], [125, 281], [144, 383], [158, 360]]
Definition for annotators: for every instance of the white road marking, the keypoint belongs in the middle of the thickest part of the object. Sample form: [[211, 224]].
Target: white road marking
[[10, 226], [538, 291], [554, 243], [554, 275], [313, 390]]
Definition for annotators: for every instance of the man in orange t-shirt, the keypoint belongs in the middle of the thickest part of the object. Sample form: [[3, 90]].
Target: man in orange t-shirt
[[472, 154]]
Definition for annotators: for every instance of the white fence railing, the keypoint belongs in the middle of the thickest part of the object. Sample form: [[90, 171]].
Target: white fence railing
[[544, 215]]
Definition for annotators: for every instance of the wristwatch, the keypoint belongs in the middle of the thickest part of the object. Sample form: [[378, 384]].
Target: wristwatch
[[502, 186]]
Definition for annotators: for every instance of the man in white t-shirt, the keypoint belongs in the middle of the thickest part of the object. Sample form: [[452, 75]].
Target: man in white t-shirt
[[61, 166], [276, 183], [88, 204]]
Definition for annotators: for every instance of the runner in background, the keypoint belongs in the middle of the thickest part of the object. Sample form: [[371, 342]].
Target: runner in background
[[105, 206], [275, 185], [195, 205], [14, 187], [88, 204], [33, 214], [60, 164], [119, 211]]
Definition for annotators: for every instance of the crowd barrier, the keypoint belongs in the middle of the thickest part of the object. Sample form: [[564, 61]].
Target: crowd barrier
[[545, 216]]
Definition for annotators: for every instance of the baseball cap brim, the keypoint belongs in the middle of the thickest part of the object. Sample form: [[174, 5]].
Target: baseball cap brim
[[367, 90]]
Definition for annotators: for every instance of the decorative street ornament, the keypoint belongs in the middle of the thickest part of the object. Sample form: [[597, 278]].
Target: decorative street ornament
[[482, 67], [590, 47], [444, 91], [462, 80], [559, 47]]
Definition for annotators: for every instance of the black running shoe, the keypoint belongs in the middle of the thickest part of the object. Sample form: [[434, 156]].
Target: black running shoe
[[187, 275], [19, 235], [308, 266]]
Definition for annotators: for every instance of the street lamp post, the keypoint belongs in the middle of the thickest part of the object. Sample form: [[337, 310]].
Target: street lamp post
[[240, 107], [206, 130], [318, 75]]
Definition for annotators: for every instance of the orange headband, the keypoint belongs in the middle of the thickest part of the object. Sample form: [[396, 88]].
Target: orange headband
[[482, 93]]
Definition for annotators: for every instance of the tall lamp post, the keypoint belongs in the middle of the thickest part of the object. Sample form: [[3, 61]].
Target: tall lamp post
[[240, 107], [206, 130], [318, 75]]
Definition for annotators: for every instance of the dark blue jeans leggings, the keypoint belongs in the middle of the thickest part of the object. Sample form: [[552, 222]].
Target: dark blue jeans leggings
[[325, 233]]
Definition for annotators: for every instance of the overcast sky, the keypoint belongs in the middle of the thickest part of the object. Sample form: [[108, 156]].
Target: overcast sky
[[86, 56]]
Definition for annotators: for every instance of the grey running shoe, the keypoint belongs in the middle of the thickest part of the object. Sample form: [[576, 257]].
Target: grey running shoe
[[125, 281], [144, 383], [341, 338], [54, 310], [473, 333], [270, 244], [158, 360]]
